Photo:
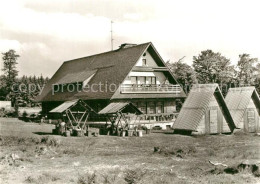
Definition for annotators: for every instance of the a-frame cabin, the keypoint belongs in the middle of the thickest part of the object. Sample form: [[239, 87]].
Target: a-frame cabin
[[203, 112], [244, 106]]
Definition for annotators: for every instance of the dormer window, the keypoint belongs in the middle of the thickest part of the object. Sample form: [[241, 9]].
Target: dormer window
[[144, 62]]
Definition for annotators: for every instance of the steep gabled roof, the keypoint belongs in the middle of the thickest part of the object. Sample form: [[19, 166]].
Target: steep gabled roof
[[160, 62], [109, 68], [196, 104], [238, 99]]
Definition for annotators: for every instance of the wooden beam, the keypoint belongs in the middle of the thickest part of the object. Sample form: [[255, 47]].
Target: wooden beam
[[256, 121], [245, 120], [72, 116], [136, 118], [126, 123], [86, 120], [207, 122], [119, 117], [82, 116], [220, 120], [69, 118], [79, 112]]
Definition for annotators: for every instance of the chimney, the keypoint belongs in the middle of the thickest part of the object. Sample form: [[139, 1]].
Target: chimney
[[126, 45]]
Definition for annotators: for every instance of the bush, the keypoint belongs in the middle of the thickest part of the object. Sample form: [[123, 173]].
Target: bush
[[50, 141], [30, 179], [14, 140], [44, 178], [88, 179], [2, 112], [25, 114], [133, 176], [7, 112], [178, 151]]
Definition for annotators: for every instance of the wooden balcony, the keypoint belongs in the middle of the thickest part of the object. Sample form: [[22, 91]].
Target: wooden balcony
[[149, 69], [150, 88]]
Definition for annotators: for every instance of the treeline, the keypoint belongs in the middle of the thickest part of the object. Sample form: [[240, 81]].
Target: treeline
[[24, 90], [211, 67], [21, 91], [207, 67]]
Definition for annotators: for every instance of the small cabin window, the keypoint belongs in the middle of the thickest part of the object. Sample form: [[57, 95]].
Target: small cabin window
[[144, 62]]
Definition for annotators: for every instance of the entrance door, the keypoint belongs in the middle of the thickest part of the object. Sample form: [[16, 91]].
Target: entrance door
[[213, 121], [251, 120]]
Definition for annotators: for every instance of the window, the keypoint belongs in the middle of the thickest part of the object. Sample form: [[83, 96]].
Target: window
[[151, 107], [160, 107], [133, 80], [142, 107], [153, 80], [148, 80], [144, 62], [141, 80]]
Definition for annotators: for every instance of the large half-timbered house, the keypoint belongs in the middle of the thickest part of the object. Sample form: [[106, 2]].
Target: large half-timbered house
[[132, 73]]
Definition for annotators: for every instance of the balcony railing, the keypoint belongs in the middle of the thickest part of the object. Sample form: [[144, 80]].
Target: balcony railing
[[149, 69], [150, 88]]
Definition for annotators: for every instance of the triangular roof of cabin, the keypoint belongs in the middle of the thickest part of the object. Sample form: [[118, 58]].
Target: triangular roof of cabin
[[238, 99], [196, 104], [117, 107], [70, 104], [107, 68]]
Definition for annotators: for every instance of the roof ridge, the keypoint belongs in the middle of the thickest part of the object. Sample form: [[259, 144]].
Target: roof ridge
[[105, 52], [246, 87]]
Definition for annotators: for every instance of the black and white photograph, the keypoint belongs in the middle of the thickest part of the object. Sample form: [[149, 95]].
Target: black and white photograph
[[129, 91]]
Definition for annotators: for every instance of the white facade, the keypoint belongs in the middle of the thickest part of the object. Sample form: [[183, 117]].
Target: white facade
[[145, 77]]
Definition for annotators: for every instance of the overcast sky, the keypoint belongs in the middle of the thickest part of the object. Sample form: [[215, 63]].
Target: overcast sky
[[47, 32]]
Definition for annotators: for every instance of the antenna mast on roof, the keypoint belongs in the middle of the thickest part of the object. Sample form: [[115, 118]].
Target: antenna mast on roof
[[112, 35]]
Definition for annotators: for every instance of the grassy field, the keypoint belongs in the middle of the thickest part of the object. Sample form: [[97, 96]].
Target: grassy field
[[30, 154]]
